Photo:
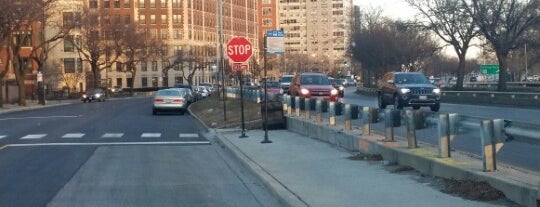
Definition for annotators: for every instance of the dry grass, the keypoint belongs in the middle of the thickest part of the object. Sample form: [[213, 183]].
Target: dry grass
[[210, 110]]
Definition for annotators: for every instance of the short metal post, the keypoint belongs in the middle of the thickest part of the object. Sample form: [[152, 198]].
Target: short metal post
[[366, 116], [297, 106], [318, 110], [444, 137], [307, 108], [411, 129], [453, 121], [289, 108], [486, 137], [389, 125], [498, 134], [285, 102], [348, 115], [332, 113]]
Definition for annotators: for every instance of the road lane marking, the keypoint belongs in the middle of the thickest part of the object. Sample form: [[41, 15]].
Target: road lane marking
[[113, 135], [34, 136], [39, 117], [151, 135], [2, 136], [106, 143], [73, 135], [189, 135]]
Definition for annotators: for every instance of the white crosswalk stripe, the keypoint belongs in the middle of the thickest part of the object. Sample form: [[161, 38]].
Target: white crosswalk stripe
[[2, 136], [151, 135], [73, 135], [113, 135], [189, 135], [34, 136]]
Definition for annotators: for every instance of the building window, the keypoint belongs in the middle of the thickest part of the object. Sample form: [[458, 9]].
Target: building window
[[119, 82], [176, 34], [163, 19], [267, 22], [144, 82], [153, 19], [119, 67], [267, 11], [68, 43], [164, 50], [266, 1], [176, 3], [153, 34], [154, 65], [152, 3], [176, 18], [177, 50], [141, 3], [163, 3], [69, 65], [106, 4], [142, 19], [127, 3], [164, 34], [144, 66], [116, 3], [127, 19], [93, 4], [154, 81]]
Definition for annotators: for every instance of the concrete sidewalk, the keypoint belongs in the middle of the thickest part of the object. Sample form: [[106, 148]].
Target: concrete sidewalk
[[33, 104], [302, 171]]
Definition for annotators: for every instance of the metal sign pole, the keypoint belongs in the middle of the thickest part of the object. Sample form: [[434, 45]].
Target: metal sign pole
[[266, 140], [242, 105]]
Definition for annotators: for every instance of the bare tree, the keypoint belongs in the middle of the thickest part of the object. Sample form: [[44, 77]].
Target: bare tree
[[453, 24], [503, 23]]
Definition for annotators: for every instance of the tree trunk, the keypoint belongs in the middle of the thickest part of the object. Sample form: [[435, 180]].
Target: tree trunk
[[1, 92], [501, 56], [460, 72], [19, 76], [97, 76]]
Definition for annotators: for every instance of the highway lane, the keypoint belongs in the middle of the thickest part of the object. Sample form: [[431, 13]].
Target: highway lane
[[522, 155], [115, 153]]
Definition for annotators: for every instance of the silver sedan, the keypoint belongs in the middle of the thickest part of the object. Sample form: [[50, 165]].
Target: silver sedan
[[170, 100]]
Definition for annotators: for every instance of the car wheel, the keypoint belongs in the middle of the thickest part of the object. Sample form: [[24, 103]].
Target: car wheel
[[397, 105], [416, 107], [436, 107], [154, 111], [382, 105], [89, 100], [84, 101], [182, 112]]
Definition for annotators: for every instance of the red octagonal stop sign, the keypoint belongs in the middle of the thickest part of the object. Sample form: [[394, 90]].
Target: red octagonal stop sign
[[239, 49]]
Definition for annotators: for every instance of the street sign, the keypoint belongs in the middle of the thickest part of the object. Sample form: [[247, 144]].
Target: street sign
[[489, 69], [39, 76], [239, 49], [238, 67], [275, 41]]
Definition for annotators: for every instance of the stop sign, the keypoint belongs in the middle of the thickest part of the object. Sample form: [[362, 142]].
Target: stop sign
[[239, 49]]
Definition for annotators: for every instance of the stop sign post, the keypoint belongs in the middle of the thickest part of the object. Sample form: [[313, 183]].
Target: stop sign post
[[239, 49]]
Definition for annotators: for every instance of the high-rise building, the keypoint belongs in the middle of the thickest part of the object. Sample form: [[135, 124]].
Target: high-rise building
[[319, 31]]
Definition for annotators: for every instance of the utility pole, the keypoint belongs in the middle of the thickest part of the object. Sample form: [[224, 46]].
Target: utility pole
[[221, 59]]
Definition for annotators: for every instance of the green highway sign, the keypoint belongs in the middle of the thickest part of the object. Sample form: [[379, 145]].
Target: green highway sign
[[489, 69]]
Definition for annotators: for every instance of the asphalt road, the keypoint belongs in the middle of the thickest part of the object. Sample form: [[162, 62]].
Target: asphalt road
[[115, 153], [519, 154]]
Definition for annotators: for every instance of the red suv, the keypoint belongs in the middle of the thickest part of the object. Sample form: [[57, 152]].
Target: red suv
[[310, 85]]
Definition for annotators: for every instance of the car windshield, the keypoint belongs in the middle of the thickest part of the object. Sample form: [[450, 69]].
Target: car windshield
[[411, 78], [339, 81], [286, 79], [273, 84], [168, 93], [314, 80]]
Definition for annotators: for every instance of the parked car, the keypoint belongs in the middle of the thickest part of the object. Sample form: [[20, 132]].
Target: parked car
[[340, 85], [436, 81], [94, 94], [202, 91], [408, 89], [116, 89], [313, 85], [172, 100], [208, 86], [190, 97], [285, 82]]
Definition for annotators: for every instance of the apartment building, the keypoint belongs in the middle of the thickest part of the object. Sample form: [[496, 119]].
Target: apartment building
[[319, 31], [187, 28]]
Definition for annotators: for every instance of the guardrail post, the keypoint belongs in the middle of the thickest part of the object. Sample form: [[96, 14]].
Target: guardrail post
[[488, 152], [289, 108], [297, 106], [318, 110], [366, 120], [332, 113], [258, 96], [411, 129], [307, 108], [389, 125], [444, 139], [348, 116], [453, 121], [285, 102]]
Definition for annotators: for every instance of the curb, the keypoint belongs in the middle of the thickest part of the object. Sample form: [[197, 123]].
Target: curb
[[276, 188]]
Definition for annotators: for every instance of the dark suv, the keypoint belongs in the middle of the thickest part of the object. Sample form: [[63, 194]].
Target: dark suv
[[310, 85], [408, 89]]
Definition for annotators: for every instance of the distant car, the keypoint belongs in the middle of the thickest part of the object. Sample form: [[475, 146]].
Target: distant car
[[436, 81], [172, 100], [473, 79], [116, 89], [403, 89], [190, 97], [208, 86], [285, 82], [95, 94], [273, 87], [202, 91], [313, 85], [340, 85]]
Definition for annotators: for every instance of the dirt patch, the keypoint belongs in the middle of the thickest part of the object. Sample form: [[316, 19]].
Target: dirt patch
[[473, 190], [210, 111], [367, 157]]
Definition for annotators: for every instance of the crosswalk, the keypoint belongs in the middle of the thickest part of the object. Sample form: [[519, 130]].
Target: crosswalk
[[77, 135]]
